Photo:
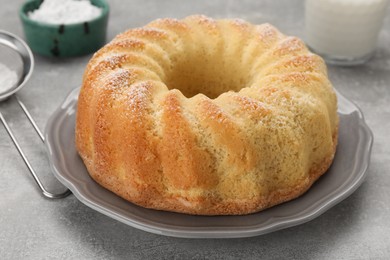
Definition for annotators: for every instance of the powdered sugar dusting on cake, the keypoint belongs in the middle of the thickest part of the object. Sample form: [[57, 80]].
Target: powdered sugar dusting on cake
[[308, 62], [170, 23], [137, 102], [214, 112], [135, 44], [240, 22], [118, 79], [113, 62], [289, 45], [204, 20], [138, 95], [266, 31], [241, 25], [250, 105], [148, 31]]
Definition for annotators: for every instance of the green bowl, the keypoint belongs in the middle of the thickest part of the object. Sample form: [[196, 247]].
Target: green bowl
[[64, 40]]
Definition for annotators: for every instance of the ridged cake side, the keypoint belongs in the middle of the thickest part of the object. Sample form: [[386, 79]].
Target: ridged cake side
[[262, 131]]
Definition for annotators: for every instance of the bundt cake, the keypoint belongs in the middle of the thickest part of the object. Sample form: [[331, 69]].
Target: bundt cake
[[209, 117]]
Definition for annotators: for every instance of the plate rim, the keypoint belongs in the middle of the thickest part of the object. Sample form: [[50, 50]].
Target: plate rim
[[216, 232]]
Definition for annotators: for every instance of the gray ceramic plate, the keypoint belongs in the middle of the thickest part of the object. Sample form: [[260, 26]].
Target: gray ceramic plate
[[344, 177]]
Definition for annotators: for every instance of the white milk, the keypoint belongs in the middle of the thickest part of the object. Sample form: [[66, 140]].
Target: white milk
[[344, 31]]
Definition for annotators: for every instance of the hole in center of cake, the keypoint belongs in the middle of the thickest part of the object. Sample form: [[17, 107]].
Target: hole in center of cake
[[209, 77]]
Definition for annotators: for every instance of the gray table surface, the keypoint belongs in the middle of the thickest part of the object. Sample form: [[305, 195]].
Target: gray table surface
[[32, 227]]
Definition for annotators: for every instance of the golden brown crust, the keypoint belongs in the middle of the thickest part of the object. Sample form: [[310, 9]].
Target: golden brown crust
[[145, 133]]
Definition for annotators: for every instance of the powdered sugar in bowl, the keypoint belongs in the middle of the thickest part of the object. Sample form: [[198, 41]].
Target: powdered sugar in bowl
[[64, 28]]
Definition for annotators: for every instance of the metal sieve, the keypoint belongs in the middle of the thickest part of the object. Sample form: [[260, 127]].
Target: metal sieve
[[16, 55]]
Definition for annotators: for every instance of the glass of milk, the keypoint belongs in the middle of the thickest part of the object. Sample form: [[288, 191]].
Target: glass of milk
[[344, 32]]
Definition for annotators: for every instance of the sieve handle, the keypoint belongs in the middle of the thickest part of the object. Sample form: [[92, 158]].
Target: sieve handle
[[45, 192]]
